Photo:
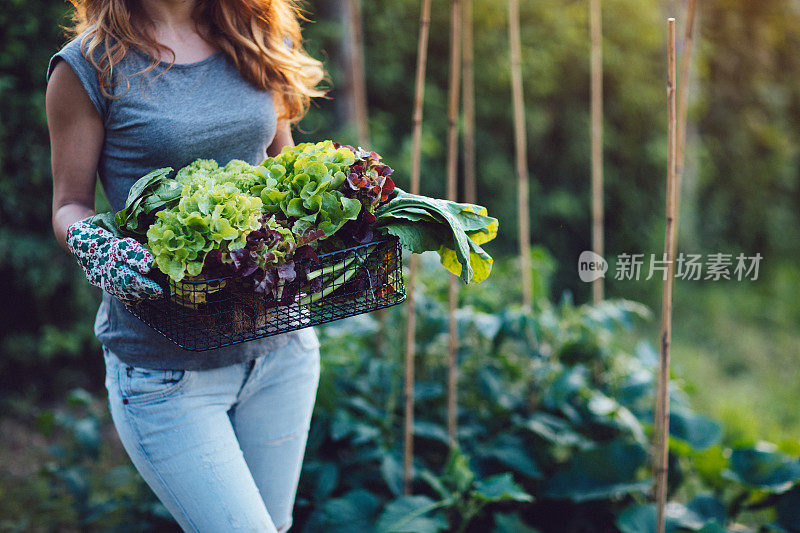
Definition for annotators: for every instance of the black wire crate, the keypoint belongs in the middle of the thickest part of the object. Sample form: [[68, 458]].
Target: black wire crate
[[203, 314]]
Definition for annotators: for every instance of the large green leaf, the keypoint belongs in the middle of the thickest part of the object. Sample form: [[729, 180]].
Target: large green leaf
[[569, 381], [709, 508], [148, 194], [510, 450], [643, 518], [606, 471], [414, 214], [324, 476], [697, 431], [608, 411], [479, 262], [500, 488], [468, 225], [145, 182], [711, 465], [511, 523], [411, 514], [765, 469], [355, 511], [417, 237], [105, 221], [392, 473], [553, 429], [457, 473], [431, 430]]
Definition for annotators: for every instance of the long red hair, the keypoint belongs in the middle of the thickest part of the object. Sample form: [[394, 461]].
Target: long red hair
[[254, 34]]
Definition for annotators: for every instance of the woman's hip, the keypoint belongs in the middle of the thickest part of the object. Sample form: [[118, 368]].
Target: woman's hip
[[173, 390], [185, 431]]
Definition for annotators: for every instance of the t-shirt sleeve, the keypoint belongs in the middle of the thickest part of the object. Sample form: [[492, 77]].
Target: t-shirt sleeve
[[85, 71]]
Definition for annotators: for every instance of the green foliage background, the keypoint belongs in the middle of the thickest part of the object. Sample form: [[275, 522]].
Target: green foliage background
[[733, 342]]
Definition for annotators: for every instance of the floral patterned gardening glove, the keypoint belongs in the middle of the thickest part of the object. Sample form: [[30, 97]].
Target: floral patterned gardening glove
[[115, 265]]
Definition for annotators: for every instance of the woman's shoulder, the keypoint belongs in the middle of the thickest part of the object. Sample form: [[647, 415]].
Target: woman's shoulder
[[75, 49], [74, 53]]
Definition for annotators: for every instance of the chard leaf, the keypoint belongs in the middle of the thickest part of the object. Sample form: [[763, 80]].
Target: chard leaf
[[415, 215], [105, 221], [142, 184], [479, 260], [418, 237], [150, 193], [468, 225], [484, 235]]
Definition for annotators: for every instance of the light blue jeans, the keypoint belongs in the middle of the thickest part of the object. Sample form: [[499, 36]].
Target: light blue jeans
[[221, 448]]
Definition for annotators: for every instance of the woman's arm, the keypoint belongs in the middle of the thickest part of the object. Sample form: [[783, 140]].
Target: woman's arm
[[76, 139], [283, 137]]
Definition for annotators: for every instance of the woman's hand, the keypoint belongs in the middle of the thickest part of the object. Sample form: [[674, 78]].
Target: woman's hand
[[115, 265]]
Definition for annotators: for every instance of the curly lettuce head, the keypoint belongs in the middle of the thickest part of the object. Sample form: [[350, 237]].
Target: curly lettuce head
[[239, 173], [216, 216], [303, 183], [197, 172]]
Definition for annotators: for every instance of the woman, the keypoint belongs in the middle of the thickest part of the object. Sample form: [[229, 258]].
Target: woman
[[219, 436]]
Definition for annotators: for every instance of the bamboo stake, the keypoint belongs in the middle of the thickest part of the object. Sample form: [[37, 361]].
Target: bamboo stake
[[683, 104], [662, 408], [357, 72], [682, 97], [452, 364], [521, 152], [596, 30], [408, 390], [361, 114], [452, 191], [468, 106]]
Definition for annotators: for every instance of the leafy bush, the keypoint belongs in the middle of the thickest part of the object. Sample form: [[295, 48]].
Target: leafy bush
[[524, 366], [555, 415], [559, 401], [84, 484]]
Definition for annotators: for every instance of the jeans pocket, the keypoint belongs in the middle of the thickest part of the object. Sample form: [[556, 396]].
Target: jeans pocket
[[143, 384]]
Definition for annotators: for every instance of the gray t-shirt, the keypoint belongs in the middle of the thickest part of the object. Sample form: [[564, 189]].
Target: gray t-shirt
[[169, 118]]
